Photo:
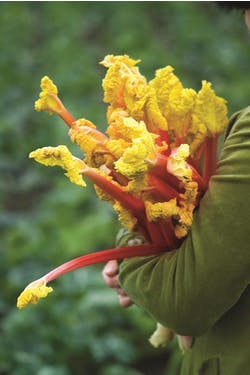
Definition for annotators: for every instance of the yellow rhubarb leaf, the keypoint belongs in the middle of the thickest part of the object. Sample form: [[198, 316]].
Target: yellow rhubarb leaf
[[179, 113], [61, 156], [155, 118], [134, 161], [161, 210], [125, 217], [177, 165], [210, 110], [187, 206], [91, 141], [33, 292], [117, 147], [111, 60], [164, 83], [124, 86], [137, 185], [48, 100]]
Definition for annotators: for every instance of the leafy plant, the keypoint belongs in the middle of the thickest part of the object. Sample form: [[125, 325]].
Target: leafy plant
[[45, 220]]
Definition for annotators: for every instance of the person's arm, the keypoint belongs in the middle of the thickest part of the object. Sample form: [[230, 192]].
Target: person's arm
[[189, 289]]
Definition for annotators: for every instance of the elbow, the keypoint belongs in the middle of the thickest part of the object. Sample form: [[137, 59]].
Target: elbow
[[188, 317], [184, 324], [177, 309]]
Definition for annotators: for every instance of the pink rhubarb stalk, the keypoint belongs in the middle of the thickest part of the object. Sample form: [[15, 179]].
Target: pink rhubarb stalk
[[129, 202], [163, 190], [104, 256], [65, 115]]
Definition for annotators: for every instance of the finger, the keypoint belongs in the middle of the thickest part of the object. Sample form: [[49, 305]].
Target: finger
[[121, 292], [124, 298], [112, 282], [111, 268], [125, 301]]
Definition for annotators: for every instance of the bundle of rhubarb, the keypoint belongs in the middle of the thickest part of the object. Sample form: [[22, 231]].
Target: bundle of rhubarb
[[153, 164]]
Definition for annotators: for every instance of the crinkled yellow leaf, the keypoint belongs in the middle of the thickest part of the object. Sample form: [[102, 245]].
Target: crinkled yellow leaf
[[190, 194], [134, 160], [61, 156], [124, 86], [124, 216], [117, 146], [181, 102], [32, 293], [101, 193], [155, 119], [196, 135], [210, 110], [131, 129], [135, 95], [48, 100], [119, 70], [110, 60], [161, 210], [187, 206], [164, 83], [85, 136], [177, 165], [180, 107], [90, 140], [115, 118], [181, 230], [137, 184], [175, 103]]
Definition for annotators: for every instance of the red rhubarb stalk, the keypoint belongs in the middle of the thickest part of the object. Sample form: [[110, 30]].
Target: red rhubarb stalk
[[162, 188], [167, 233], [155, 234], [65, 115], [202, 182], [159, 168], [164, 137], [127, 201], [104, 256]]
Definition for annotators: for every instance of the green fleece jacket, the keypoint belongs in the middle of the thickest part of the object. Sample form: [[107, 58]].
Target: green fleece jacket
[[202, 288]]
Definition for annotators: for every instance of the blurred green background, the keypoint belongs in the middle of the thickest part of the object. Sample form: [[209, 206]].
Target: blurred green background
[[45, 220]]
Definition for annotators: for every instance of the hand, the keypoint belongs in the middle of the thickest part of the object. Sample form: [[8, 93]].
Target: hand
[[110, 275]]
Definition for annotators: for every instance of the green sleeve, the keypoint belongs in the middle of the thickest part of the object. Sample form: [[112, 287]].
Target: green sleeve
[[189, 289]]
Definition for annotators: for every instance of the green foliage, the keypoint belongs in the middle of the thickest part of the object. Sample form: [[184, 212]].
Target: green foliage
[[80, 329]]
